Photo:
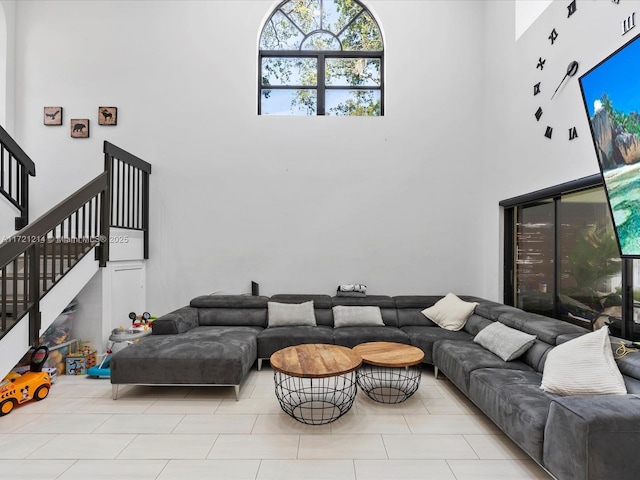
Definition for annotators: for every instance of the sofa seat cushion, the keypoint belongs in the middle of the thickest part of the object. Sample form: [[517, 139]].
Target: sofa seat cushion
[[203, 355], [512, 399], [273, 339], [424, 337], [457, 359], [352, 336]]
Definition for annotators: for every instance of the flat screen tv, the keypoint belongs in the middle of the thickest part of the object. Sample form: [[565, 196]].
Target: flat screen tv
[[611, 95]]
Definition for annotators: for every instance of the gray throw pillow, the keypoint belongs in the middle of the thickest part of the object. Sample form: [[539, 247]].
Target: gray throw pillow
[[291, 314], [506, 342], [344, 316]]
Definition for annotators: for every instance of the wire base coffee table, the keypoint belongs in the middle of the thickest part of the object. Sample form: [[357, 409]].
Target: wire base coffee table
[[315, 383], [390, 372]]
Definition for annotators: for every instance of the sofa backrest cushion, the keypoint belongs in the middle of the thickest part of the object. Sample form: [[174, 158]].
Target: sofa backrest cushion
[[490, 309], [536, 355], [409, 309], [231, 310], [476, 323], [386, 304], [321, 305], [546, 329]]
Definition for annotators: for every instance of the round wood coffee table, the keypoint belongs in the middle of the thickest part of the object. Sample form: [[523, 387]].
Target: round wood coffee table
[[390, 372], [315, 383]]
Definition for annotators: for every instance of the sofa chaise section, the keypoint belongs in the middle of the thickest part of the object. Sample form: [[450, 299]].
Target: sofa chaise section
[[213, 341]]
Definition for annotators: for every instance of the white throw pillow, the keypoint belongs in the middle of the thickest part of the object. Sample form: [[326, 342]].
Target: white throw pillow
[[583, 366], [345, 316], [506, 342], [291, 314], [450, 312]]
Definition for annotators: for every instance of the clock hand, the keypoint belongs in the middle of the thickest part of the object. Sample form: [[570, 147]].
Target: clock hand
[[572, 69]]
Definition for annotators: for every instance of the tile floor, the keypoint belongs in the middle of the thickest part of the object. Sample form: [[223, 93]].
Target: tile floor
[[163, 433]]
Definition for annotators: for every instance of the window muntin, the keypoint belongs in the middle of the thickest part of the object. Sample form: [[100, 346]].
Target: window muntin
[[331, 47]]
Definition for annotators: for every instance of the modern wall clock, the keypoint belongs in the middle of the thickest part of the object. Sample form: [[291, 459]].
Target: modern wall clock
[[555, 71]]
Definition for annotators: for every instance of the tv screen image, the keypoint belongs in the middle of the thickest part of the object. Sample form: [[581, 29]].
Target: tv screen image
[[611, 95]]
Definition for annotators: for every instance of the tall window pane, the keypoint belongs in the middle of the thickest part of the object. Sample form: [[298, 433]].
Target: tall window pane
[[590, 280], [535, 258]]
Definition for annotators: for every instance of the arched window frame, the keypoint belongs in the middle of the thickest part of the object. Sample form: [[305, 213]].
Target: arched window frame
[[321, 56]]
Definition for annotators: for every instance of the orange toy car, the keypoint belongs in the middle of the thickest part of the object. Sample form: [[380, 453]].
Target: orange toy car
[[34, 384]]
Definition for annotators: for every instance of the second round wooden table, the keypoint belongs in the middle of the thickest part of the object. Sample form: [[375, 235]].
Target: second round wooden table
[[390, 372]]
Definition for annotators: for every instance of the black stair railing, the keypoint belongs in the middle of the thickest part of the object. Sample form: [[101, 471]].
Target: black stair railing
[[129, 177], [34, 260], [15, 169]]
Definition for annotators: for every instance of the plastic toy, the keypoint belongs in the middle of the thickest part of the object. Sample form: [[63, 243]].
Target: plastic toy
[[16, 389], [140, 320], [122, 335]]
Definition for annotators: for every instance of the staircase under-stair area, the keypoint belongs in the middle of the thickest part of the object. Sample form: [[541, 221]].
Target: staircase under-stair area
[[41, 255]]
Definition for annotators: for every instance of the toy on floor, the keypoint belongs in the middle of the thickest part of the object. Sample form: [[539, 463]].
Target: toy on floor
[[16, 389], [122, 335]]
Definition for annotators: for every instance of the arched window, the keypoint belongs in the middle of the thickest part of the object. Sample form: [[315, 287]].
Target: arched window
[[321, 57]]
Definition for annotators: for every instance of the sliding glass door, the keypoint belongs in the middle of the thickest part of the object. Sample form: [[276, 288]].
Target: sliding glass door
[[535, 258], [590, 271], [562, 258]]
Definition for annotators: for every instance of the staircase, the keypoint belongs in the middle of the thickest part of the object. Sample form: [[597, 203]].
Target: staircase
[[41, 255], [15, 169]]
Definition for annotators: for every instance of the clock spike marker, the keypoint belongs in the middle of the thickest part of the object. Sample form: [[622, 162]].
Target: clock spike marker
[[572, 7], [538, 113], [548, 132], [553, 36], [536, 89]]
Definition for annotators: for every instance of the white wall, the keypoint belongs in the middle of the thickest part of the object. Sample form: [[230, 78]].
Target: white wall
[[296, 204], [7, 63], [527, 11], [7, 97]]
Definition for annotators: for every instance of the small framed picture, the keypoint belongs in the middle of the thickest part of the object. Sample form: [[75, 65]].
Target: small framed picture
[[107, 115], [80, 128], [53, 115]]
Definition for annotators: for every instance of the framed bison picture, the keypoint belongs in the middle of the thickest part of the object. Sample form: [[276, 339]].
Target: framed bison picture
[[107, 115], [80, 128], [53, 115]]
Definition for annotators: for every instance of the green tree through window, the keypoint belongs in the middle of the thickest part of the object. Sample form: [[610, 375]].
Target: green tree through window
[[321, 57]]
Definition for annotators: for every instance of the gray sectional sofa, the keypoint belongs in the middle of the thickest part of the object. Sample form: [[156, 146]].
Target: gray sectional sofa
[[216, 340]]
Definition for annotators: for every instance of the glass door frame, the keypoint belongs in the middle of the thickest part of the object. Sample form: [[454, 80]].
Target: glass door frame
[[555, 193]]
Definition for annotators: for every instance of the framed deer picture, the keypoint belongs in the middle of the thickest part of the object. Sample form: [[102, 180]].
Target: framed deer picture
[[53, 115], [107, 115]]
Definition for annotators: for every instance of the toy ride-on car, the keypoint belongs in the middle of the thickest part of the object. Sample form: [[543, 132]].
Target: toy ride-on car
[[34, 384]]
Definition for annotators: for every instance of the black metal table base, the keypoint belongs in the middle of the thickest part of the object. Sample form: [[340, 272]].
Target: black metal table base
[[389, 384], [316, 401]]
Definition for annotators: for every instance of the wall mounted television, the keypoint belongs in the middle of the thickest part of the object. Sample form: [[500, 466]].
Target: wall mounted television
[[611, 95]]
